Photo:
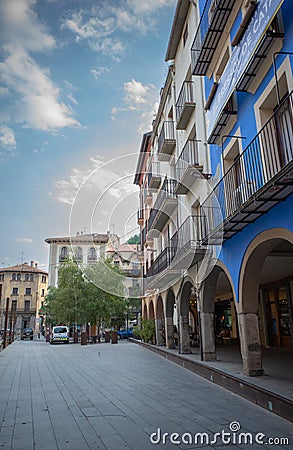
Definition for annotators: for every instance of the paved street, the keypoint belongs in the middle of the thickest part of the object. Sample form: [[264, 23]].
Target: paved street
[[114, 397]]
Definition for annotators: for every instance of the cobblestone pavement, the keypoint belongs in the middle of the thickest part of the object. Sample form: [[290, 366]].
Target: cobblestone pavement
[[116, 397]]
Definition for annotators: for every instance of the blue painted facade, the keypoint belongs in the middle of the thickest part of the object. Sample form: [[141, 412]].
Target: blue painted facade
[[281, 215]]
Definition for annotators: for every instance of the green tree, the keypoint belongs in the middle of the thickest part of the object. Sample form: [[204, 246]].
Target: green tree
[[93, 295], [134, 239]]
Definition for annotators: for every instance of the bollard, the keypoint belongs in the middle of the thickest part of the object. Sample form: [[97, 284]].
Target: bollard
[[114, 337], [107, 336], [83, 338]]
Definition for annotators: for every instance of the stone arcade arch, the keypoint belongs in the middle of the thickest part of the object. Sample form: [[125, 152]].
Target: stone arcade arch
[[169, 325], [259, 266], [184, 308], [159, 322], [218, 284], [151, 312]]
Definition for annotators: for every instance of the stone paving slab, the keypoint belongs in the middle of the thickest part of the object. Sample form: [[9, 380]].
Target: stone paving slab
[[115, 397]]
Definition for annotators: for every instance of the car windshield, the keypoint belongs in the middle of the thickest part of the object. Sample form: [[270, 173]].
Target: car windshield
[[60, 330]]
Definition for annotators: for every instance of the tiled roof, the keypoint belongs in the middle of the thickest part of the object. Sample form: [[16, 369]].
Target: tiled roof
[[82, 238], [23, 268]]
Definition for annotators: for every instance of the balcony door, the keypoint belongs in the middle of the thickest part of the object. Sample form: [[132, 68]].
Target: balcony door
[[284, 127], [275, 141]]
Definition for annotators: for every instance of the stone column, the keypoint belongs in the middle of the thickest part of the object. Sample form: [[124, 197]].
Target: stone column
[[159, 332], [208, 336], [250, 344], [184, 338], [169, 330]]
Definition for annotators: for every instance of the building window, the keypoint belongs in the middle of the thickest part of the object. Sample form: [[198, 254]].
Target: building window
[[78, 254], [14, 305], [27, 304], [18, 277], [92, 254], [31, 277], [28, 291], [43, 292], [64, 253], [27, 277], [44, 279], [116, 263], [13, 277], [2, 277], [15, 291]]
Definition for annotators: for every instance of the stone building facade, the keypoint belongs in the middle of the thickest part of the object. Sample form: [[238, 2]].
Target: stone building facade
[[25, 287]]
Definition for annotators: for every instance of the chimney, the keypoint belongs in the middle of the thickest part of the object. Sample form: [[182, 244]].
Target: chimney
[[32, 263], [36, 265]]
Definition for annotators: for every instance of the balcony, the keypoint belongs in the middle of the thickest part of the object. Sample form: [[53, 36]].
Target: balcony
[[260, 178], [187, 168], [185, 105], [154, 177], [164, 206], [212, 24], [160, 275], [185, 244], [140, 217], [27, 311], [225, 120], [166, 141]]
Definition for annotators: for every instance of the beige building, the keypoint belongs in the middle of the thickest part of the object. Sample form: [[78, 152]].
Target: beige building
[[25, 285], [83, 248]]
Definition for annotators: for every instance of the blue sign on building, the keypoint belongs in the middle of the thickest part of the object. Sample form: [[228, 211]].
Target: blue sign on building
[[263, 15]]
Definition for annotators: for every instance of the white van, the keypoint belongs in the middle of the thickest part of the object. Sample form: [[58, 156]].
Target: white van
[[60, 333]]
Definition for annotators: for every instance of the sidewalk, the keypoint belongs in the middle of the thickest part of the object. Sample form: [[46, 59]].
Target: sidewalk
[[273, 391]]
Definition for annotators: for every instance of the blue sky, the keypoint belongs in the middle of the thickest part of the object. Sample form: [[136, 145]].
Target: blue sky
[[79, 84]]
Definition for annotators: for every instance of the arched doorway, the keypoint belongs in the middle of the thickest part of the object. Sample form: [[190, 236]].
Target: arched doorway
[[265, 297], [217, 311], [159, 322], [170, 327]]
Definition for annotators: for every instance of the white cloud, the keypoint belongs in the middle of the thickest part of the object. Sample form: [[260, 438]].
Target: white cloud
[[141, 99], [38, 103], [7, 137], [99, 72], [99, 26], [24, 240]]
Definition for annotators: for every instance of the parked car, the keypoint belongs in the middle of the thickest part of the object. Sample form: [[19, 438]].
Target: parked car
[[125, 334], [60, 334], [27, 333]]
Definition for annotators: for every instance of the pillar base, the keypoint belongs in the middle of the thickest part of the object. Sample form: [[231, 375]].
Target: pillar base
[[210, 356]]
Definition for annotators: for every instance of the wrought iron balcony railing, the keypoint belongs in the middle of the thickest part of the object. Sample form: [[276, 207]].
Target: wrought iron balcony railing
[[154, 177], [260, 177], [161, 204], [212, 24], [162, 261], [188, 159], [188, 232], [185, 105], [167, 140]]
